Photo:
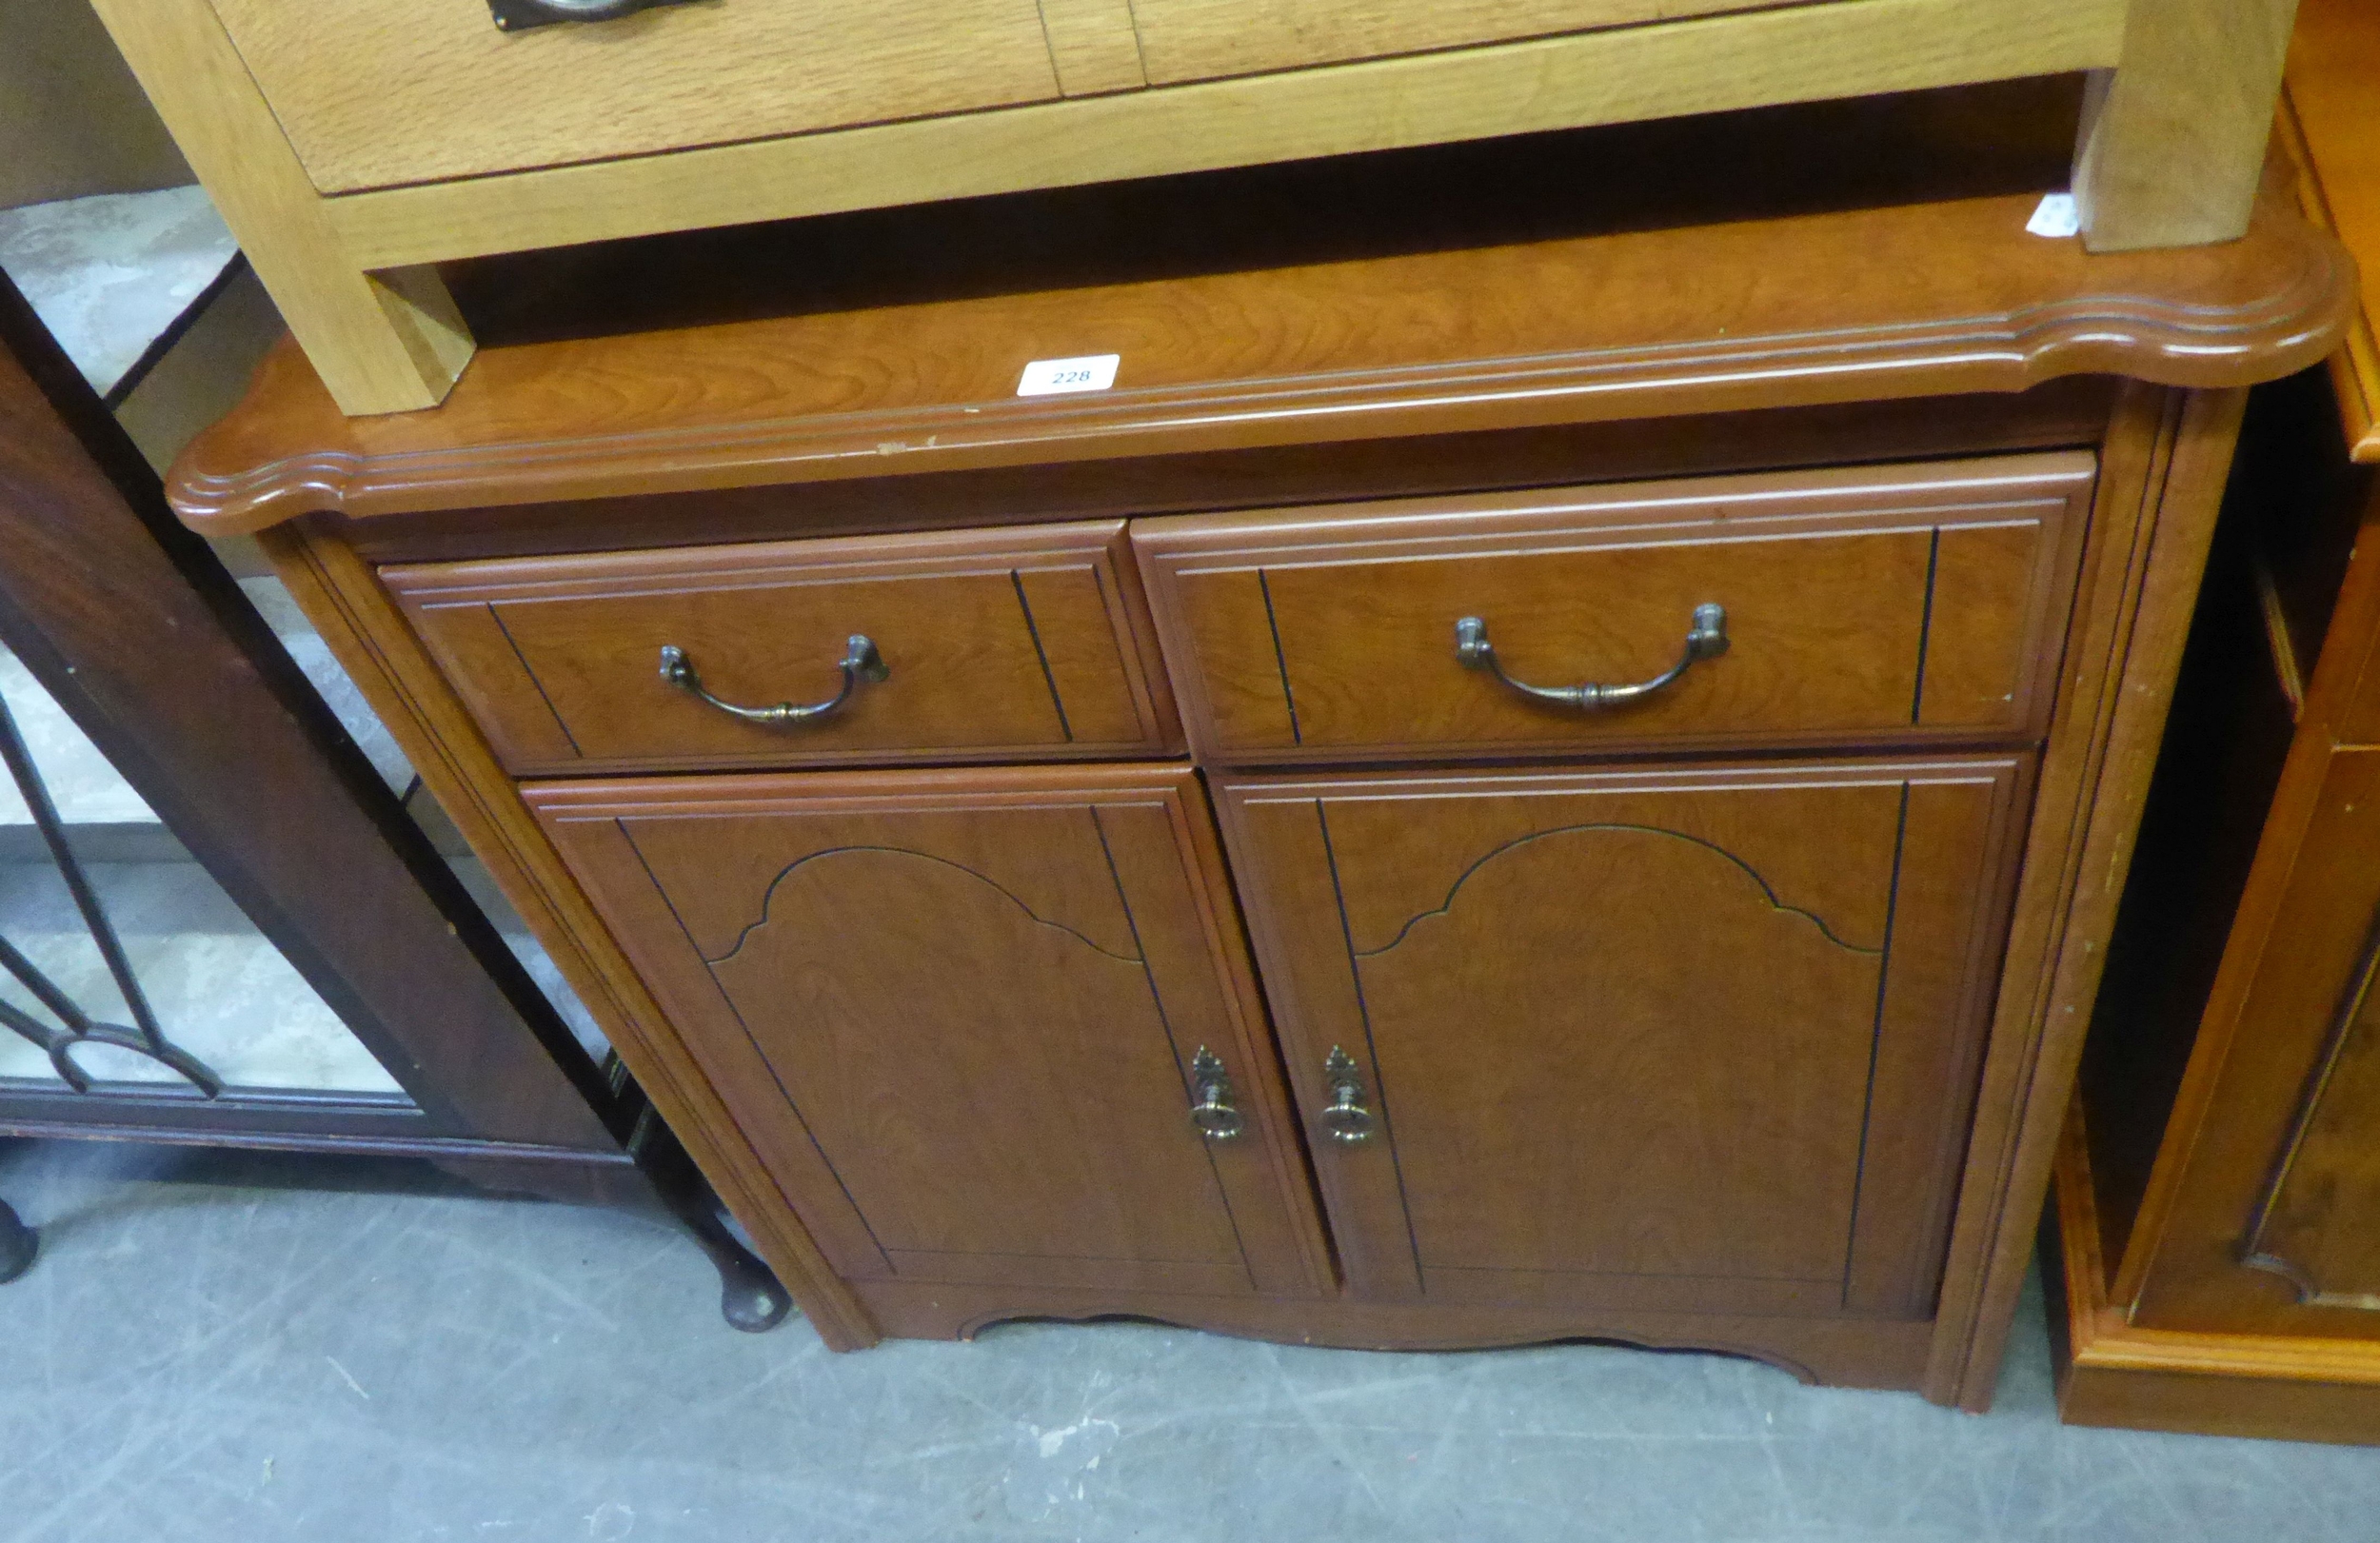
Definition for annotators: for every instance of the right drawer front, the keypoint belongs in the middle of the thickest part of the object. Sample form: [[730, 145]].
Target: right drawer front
[[1892, 604]]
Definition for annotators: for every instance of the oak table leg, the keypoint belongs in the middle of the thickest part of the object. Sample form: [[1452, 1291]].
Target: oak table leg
[[389, 340], [2172, 141]]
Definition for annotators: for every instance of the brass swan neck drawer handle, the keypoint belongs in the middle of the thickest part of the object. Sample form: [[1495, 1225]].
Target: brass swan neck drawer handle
[[1346, 1118], [1212, 1112], [861, 662], [1707, 639]]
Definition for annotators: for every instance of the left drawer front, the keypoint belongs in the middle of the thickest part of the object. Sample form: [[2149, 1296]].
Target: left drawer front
[[1023, 643]]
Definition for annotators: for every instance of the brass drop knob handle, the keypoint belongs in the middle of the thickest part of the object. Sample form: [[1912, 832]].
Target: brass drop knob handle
[[1346, 1118], [1212, 1112]]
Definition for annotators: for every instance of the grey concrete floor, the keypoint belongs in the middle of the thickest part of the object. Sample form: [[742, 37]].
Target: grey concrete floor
[[211, 1350]]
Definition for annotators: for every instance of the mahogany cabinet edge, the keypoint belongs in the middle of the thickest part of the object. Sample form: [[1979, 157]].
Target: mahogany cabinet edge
[[286, 451]]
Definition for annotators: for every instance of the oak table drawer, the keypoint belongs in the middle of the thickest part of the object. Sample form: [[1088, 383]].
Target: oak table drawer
[[1902, 604], [991, 644], [374, 95]]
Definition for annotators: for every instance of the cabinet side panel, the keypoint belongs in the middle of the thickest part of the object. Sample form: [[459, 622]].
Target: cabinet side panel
[[2225, 742], [2161, 483]]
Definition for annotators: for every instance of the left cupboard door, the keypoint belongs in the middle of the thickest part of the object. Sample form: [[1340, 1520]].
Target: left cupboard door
[[970, 1017]]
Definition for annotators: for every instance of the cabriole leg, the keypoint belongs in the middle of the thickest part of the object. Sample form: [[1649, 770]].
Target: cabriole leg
[[18, 1244], [749, 1296]]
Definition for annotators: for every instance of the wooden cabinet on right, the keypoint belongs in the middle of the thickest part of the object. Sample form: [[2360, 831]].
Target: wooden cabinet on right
[[2218, 1189]]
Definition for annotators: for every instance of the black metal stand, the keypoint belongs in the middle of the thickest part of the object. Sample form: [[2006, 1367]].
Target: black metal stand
[[18, 1244], [749, 1296], [146, 1036]]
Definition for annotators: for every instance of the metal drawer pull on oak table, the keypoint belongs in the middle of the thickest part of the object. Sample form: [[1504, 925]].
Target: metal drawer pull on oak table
[[861, 662], [520, 15], [1707, 640]]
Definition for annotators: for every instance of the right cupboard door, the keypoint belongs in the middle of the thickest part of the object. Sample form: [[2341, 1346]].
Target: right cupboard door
[[1697, 1041]]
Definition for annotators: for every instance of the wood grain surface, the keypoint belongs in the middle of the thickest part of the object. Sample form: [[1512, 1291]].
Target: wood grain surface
[[2174, 139], [998, 643], [385, 341], [2287, 1124], [375, 96], [957, 1013], [1636, 1040], [1860, 605], [2113, 1373], [1631, 323], [1796, 53], [2245, 1260], [1186, 40], [1093, 45]]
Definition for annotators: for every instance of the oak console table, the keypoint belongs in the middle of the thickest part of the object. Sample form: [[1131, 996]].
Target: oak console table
[[1563, 782], [354, 145]]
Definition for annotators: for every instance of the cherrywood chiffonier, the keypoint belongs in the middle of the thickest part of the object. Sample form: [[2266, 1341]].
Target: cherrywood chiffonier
[[1519, 775], [2218, 1204]]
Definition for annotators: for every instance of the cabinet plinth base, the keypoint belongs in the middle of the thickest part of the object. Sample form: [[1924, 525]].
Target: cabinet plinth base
[[1843, 1353]]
